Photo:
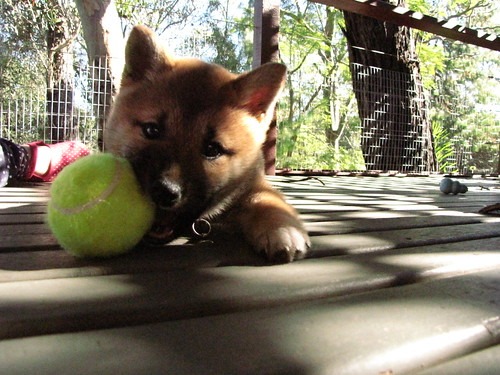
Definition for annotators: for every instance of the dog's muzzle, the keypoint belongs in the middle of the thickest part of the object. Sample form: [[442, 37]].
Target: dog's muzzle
[[166, 194]]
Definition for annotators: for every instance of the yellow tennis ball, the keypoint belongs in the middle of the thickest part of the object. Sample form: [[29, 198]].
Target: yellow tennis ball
[[97, 207]]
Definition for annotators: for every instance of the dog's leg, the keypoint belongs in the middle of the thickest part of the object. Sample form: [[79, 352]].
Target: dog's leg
[[272, 226]]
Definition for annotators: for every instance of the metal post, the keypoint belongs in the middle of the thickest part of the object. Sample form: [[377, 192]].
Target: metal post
[[266, 35]]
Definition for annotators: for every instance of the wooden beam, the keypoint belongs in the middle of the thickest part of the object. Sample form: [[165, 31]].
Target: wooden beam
[[266, 31], [266, 49], [405, 17]]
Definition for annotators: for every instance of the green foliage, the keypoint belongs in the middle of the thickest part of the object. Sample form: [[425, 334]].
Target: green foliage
[[158, 15], [230, 36], [315, 131], [465, 102], [432, 63], [303, 147], [22, 44], [303, 144], [22, 69], [443, 147]]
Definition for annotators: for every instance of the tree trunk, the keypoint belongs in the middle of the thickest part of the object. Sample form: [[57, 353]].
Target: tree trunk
[[105, 49], [396, 131]]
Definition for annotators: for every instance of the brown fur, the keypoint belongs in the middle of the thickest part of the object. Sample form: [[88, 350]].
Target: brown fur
[[193, 132]]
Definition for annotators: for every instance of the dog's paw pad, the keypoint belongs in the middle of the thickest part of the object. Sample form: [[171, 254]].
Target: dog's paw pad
[[283, 245]]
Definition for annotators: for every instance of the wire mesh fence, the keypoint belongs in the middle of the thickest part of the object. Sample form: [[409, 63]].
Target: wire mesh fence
[[68, 110], [394, 119], [77, 108], [400, 129]]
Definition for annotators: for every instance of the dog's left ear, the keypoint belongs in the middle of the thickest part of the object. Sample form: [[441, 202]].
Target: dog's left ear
[[258, 90]]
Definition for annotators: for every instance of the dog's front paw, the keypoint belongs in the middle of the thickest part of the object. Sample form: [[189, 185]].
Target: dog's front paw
[[284, 244]]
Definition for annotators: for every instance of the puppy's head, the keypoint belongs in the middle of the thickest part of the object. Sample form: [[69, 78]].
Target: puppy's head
[[193, 131]]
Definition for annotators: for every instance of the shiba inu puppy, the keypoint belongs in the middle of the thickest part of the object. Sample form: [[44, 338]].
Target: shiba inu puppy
[[194, 132]]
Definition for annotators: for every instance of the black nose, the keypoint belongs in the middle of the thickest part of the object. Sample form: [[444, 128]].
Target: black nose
[[166, 194]]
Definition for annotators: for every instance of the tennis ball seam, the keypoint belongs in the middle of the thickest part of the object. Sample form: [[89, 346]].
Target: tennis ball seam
[[99, 199]]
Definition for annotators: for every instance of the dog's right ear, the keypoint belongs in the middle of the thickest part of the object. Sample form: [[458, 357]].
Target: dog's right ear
[[258, 90], [144, 54]]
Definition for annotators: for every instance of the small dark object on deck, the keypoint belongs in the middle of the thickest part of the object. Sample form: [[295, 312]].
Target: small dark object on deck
[[490, 210]]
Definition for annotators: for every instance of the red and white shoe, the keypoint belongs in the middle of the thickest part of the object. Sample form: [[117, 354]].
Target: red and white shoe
[[63, 154]]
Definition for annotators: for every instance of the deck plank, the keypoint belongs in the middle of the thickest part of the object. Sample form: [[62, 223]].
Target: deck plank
[[55, 264], [395, 330], [58, 305], [329, 245], [401, 278], [482, 362]]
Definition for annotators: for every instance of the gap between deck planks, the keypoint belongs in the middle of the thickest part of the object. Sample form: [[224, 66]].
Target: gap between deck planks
[[369, 234]]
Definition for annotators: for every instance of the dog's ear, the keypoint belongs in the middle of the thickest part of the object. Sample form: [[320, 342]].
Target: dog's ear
[[144, 54], [258, 90]]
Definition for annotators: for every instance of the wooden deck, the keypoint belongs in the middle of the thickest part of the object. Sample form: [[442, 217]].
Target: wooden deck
[[402, 279]]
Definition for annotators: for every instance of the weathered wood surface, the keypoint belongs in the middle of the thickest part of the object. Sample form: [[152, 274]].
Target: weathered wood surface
[[401, 279]]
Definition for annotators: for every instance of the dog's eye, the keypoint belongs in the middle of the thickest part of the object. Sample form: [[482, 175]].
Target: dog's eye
[[213, 150], [151, 130]]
